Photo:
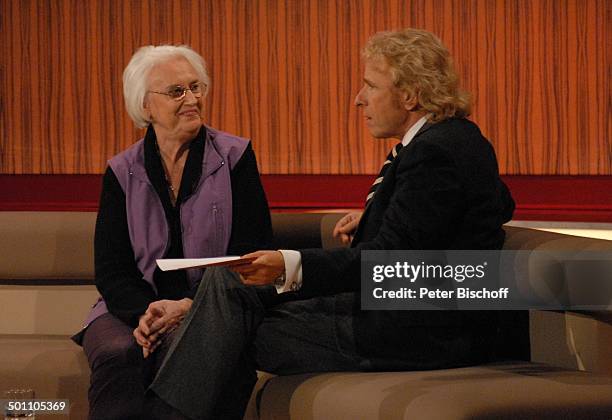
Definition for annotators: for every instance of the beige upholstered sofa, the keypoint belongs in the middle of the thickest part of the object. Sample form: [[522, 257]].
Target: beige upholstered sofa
[[46, 288]]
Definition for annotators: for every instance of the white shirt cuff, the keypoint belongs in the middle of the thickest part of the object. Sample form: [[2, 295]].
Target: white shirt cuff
[[293, 271]]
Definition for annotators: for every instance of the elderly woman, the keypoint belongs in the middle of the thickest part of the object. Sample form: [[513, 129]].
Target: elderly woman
[[185, 190]]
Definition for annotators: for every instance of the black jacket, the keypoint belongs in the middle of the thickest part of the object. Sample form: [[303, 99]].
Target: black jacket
[[442, 191]]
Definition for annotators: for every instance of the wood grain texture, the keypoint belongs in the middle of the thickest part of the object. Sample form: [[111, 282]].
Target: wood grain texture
[[285, 74]]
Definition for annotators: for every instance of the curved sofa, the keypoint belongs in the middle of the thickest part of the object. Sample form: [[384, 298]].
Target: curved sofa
[[46, 288]]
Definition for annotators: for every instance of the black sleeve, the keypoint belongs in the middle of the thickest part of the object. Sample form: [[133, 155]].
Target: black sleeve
[[118, 279], [251, 224], [422, 207]]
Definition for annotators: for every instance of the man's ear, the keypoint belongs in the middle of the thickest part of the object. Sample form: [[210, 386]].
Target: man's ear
[[411, 103]]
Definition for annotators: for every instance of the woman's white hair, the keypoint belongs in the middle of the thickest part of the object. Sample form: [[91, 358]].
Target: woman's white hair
[[136, 74]]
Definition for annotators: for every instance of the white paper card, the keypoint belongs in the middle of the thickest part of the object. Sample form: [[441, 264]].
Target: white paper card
[[169, 264]]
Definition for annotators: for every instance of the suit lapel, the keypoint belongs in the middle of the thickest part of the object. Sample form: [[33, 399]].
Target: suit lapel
[[366, 211], [359, 231]]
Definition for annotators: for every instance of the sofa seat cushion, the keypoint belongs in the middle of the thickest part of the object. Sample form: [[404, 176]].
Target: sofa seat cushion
[[501, 391], [53, 366]]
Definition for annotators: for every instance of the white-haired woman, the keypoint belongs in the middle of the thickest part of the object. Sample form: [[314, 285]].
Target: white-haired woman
[[184, 190]]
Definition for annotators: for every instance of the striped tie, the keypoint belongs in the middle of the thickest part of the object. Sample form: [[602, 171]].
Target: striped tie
[[384, 169]]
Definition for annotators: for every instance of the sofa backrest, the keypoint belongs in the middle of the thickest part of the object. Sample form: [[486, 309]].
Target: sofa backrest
[[47, 246], [57, 247], [569, 272]]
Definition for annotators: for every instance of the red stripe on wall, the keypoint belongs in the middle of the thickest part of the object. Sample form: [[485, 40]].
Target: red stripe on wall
[[50, 192], [555, 198]]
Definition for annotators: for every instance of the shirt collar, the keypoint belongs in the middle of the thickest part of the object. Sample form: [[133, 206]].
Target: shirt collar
[[414, 130]]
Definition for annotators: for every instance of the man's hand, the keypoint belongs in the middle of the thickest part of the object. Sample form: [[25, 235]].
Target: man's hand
[[266, 268], [160, 318], [347, 226]]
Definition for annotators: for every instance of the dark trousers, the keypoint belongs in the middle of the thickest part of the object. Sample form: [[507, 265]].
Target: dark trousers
[[120, 374], [230, 332]]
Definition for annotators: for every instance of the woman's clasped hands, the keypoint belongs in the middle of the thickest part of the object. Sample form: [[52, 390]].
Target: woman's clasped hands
[[160, 318]]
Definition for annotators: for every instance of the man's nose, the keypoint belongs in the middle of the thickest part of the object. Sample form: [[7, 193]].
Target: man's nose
[[359, 99]]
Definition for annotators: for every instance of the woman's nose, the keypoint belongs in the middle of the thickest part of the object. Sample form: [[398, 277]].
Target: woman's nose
[[190, 97]]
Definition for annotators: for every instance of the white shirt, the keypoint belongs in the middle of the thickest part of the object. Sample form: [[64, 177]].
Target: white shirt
[[293, 259], [412, 131]]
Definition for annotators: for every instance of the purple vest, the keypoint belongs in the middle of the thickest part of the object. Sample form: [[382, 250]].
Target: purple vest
[[206, 216]]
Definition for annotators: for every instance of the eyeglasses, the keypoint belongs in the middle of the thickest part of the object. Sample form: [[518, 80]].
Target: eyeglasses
[[178, 92]]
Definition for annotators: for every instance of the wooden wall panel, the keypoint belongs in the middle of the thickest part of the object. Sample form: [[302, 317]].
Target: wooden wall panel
[[285, 74]]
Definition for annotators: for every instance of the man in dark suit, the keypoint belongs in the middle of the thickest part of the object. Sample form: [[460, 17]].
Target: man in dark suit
[[439, 189]]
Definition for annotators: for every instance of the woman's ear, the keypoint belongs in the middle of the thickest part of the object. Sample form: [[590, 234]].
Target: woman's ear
[[147, 110]]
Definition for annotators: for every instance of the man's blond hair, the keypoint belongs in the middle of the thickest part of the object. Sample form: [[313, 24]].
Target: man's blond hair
[[422, 67]]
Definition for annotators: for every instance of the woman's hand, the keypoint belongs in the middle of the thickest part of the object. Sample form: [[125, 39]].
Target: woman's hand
[[347, 226], [161, 317], [267, 267]]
